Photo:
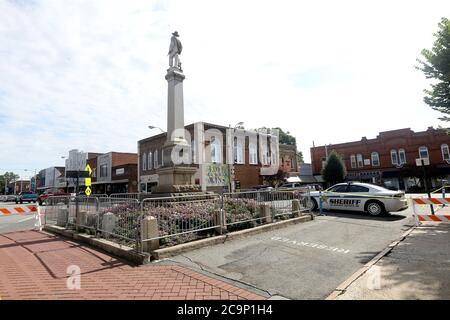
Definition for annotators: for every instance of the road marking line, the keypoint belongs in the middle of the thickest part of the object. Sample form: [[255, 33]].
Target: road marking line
[[310, 244], [26, 219]]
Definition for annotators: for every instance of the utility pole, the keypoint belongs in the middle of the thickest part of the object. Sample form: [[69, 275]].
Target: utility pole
[[427, 190]]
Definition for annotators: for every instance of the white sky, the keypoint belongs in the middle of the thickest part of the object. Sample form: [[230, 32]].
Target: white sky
[[89, 74]]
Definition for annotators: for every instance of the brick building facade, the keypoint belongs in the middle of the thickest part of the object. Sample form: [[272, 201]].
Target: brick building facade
[[215, 151], [390, 158], [114, 172]]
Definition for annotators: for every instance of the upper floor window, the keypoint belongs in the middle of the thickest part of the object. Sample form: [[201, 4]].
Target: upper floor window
[[155, 162], [253, 154], [194, 151], [150, 161], [402, 156], [353, 161], [394, 157], [375, 159], [144, 161], [274, 156], [445, 152], [103, 170], [162, 157], [359, 158], [423, 152], [237, 148], [265, 154], [216, 154]]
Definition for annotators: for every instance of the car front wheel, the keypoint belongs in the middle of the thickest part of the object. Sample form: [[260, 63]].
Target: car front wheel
[[312, 204], [375, 208]]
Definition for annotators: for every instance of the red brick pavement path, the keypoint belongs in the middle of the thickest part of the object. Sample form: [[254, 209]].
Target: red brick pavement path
[[33, 265]]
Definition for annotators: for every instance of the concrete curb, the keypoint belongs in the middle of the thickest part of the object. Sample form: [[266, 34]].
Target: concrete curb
[[181, 248], [344, 285], [118, 250]]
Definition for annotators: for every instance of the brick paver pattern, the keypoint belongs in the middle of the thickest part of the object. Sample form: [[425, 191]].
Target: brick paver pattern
[[33, 265]]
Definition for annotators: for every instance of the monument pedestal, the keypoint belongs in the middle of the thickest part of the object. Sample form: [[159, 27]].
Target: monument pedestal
[[177, 179]]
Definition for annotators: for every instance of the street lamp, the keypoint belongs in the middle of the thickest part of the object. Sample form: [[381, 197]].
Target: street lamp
[[154, 127]]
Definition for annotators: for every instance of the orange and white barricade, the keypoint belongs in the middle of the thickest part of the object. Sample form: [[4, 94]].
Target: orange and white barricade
[[23, 210], [419, 217]]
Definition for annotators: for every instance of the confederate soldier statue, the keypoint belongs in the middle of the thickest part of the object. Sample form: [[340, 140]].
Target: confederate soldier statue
[[174, 50]]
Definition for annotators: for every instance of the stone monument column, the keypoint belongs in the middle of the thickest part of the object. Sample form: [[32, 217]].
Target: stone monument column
[[175, 176]]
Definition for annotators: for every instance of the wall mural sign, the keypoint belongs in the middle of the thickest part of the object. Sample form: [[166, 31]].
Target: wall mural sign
[[216, 175]]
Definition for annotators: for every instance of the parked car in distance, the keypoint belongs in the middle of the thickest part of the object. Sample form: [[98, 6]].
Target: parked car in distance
[[291, 185], [10, 197], [261, 187], [52, 193], [26, 196], [357, 196]]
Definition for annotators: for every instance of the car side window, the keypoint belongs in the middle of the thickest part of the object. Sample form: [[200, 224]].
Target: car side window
[[355, 188], [342, 188]]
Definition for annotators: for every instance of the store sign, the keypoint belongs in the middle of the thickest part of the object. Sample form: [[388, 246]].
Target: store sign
[[120, 171]]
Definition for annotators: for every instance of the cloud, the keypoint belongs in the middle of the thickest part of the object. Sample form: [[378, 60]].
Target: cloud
[[90, 74]]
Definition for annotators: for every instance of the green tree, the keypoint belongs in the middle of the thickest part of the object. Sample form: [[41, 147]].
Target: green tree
[[7, 177], [437, 66], [300, 157], [284, 137], [334, 169]]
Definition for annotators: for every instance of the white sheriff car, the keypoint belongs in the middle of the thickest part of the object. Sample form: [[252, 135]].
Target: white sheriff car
[[357, 196]]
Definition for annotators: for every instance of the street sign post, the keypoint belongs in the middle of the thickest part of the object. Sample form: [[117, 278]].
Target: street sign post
[[87, 181], [421, 162]]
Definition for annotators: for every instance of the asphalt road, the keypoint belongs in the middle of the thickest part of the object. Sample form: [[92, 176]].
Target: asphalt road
[[304, 261], [13, 223]]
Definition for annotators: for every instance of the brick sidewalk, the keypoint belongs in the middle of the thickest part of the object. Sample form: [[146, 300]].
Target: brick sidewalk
[[33, 265]]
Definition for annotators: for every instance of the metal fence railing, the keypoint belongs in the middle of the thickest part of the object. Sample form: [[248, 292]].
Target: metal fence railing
[[167, 221], [183, 218], [125, 195]]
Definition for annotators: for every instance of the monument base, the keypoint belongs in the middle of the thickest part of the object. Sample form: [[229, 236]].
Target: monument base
[[176, 179]]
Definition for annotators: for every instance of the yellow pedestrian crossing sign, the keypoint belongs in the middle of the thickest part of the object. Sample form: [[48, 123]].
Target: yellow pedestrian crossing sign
[[88, 181]]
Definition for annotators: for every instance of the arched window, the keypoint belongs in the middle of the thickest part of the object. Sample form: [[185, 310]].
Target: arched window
[[423, 152], [216, 152], [150, 161], [394, 157], [359, 158], [155, 159], [445, 152], [237, 151], [253, 154], [375, 159], [144, 161], [402, 156], [353, 161]]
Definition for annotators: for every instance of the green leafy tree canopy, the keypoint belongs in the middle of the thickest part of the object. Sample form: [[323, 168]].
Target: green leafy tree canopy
[[437, 66], [7, 177], [285, 137], [334, 169]]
